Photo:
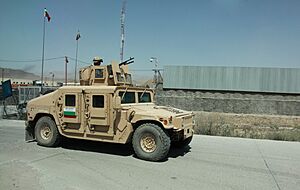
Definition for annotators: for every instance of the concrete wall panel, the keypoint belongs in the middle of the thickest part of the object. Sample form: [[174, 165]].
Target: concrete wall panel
[[248, 79]]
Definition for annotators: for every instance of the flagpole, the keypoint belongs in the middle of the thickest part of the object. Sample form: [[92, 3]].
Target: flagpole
[[76, 61], [42, 74], [66, 70]]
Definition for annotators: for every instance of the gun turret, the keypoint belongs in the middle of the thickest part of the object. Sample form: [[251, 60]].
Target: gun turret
[[114, 74]]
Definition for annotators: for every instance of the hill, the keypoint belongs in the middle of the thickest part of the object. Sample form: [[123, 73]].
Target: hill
[[17, 74]]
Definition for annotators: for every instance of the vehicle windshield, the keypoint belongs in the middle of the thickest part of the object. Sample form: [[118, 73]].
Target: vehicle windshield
[[135, 97], [127, 98], [144, 97]]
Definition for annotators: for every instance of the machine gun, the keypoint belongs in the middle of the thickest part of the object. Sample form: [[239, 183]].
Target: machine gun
[[127, 62]]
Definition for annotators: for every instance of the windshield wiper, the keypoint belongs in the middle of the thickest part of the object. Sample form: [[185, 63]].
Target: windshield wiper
[[124, 93], [143, 93]]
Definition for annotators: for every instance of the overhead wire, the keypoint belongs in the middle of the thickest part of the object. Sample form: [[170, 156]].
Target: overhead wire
[[61, 57], [78, 60], [31, 60], [38, 60], [140, 69]]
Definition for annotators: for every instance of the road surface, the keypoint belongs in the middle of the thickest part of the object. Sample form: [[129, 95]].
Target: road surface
[[209, 163]]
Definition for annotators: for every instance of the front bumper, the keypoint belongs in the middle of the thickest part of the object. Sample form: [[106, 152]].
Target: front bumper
[[184, 126], [188, 132]]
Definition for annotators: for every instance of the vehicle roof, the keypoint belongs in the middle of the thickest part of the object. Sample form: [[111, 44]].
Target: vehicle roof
[[89, 87], [108, 88]]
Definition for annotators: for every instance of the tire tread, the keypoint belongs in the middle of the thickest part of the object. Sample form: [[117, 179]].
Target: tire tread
[[56, 136], [161, 153]]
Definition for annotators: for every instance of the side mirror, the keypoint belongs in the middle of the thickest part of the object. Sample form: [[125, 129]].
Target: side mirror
[[117, 103]]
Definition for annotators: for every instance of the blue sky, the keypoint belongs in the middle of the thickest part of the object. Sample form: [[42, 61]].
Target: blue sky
[[251, 33]]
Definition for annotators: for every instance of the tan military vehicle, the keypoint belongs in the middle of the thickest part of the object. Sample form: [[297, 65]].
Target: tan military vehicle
[[107, 107]]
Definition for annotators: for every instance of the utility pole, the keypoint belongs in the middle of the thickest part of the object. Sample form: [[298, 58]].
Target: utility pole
[[122, 30], [2, 74], [66, 69]]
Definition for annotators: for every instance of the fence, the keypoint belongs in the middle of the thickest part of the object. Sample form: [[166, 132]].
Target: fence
[[27, 93]]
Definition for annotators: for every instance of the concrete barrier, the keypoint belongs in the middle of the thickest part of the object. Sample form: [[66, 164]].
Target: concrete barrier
[[231, 102], [248, 125]]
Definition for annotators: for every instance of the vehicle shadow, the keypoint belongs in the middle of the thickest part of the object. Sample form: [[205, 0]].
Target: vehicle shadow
[[176, 152], [114, 149], [99, 147]]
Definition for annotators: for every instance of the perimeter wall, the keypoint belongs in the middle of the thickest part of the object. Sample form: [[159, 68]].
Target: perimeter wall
[[266, 116]]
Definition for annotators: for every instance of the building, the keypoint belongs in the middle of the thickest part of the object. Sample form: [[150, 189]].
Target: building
[[241, 90], [241, 79]]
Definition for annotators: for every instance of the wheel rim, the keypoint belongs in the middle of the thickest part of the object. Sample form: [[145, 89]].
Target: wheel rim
[[148, 143], [45, 132]]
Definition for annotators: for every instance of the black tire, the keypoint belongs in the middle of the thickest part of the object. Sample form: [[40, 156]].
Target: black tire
[[46, 132], [160, 138], [182, 143]]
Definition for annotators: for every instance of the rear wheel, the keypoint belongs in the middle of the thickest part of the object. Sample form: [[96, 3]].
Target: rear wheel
[[46, 132], [150, 142]]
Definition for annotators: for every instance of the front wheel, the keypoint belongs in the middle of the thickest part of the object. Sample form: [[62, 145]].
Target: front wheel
[[46, 132], [150, 142]]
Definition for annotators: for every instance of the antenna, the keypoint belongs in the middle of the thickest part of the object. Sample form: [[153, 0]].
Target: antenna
[[122, 30]]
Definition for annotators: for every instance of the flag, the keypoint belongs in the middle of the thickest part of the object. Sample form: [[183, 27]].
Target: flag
[[46, 14], [78, 36]]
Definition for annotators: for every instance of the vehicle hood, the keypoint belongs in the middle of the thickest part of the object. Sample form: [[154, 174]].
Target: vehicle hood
[[154, 111], [43, 101]]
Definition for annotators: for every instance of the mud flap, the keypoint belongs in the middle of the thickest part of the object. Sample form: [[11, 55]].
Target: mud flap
[[29, 132]]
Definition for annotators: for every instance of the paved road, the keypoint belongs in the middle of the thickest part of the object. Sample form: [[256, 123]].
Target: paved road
[[209, 163]]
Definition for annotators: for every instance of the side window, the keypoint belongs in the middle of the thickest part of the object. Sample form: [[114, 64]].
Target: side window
[[98, 101], [70, 100], [98, 73], [128, 98], [144, 97]]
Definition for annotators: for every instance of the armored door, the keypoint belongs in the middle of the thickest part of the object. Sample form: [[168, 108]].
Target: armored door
[[98, 115], [71, 113]]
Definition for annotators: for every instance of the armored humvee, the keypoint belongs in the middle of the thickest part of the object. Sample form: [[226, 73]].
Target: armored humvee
[[107, 107]]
